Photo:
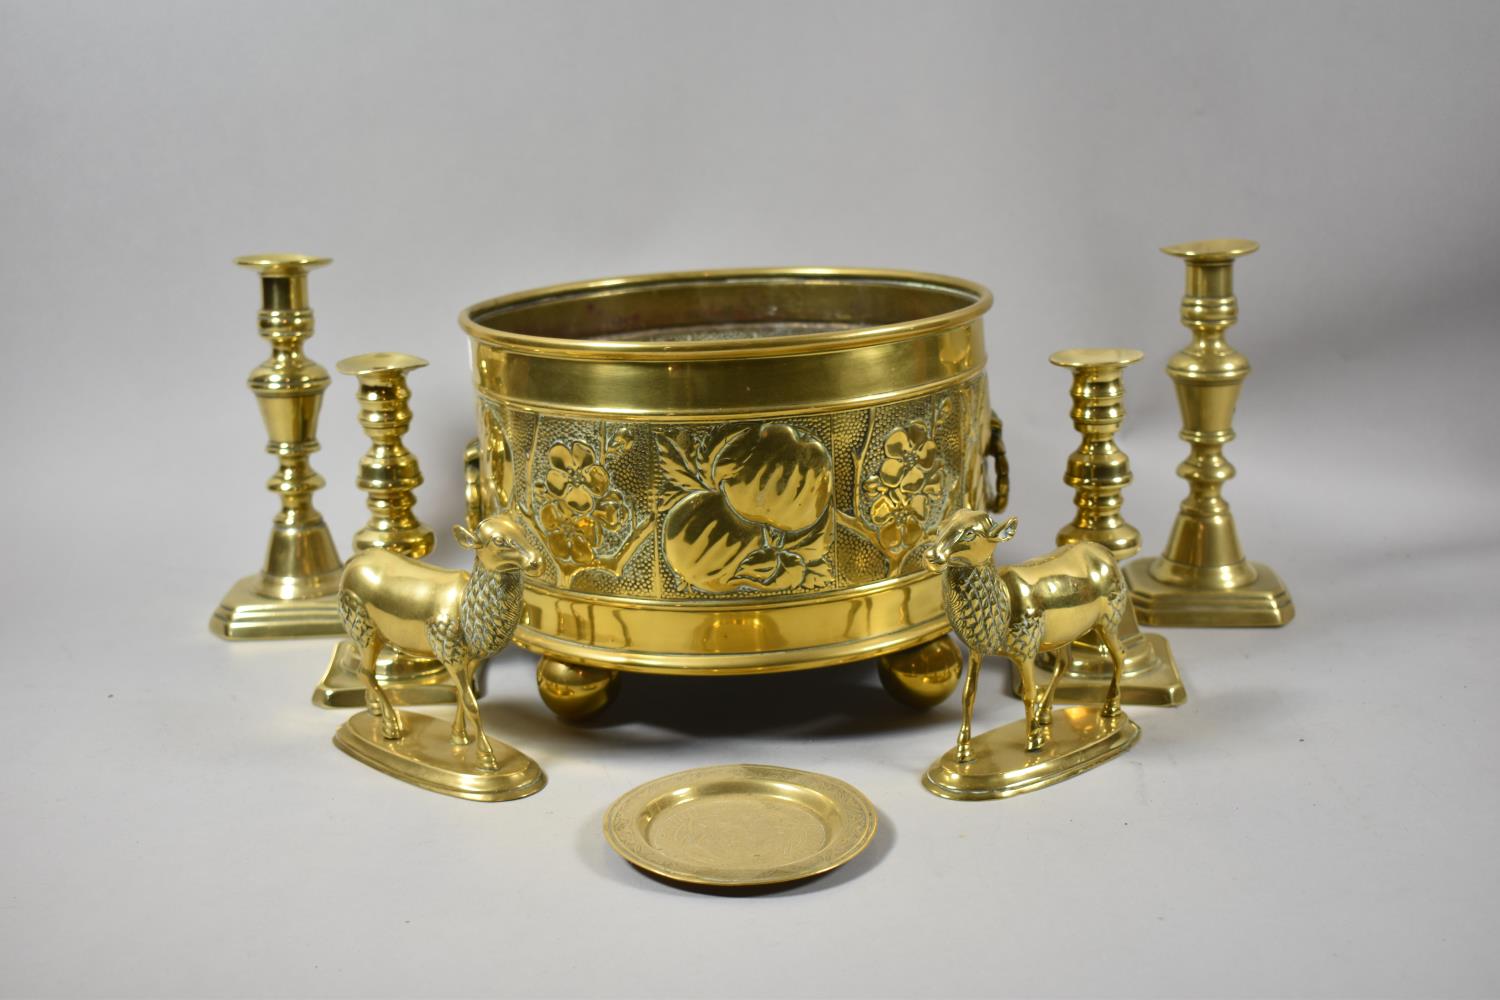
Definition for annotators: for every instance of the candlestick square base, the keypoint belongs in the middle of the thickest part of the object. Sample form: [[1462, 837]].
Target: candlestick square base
[[1262, 603], [406, 681], [1150, 676], [1081, 738], [246, 614]]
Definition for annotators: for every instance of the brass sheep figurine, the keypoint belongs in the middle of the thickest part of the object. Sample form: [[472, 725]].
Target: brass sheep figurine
[[1020, 611], [459, 617]]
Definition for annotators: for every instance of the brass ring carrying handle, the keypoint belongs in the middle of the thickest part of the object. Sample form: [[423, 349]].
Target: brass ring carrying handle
[[473, 498], [994, 449]]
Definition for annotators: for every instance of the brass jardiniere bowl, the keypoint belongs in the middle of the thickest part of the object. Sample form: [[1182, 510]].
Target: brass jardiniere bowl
[[731, 472]]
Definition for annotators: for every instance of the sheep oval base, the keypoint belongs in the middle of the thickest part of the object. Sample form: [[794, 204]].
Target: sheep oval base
[[425, 757], [1002, 766]]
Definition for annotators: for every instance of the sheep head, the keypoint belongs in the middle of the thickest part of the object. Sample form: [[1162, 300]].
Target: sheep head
[[967, 538], [500, 544]]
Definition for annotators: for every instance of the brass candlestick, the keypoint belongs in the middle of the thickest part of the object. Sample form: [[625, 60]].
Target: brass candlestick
[[1202, 578], [295, 592], [1098, 472], [388, 474]]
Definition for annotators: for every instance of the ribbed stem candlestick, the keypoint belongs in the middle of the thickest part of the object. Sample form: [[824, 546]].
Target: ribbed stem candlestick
[[388, 472], [1099, 471], [388, 475]]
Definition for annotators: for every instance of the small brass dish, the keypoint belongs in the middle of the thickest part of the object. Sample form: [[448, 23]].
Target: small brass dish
[[740, 825]]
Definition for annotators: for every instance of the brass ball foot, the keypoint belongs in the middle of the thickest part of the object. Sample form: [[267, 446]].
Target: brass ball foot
[[923, 675], [575, 692]]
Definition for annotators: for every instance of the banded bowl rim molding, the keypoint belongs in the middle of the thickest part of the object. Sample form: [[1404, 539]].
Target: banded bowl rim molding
[[475, 319]]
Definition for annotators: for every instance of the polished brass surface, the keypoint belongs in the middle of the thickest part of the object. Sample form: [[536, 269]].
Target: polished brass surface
[[731, 471], [1202, 578], [426, 756], [1150, 677], [406, 681], [473, 490], [1000, 765], [1264, 603], [293, 594], [740, 825], [575, 692], [922, 676], [655, 637], [246, 613], [388, 600], [388, 474], [1099, 471], [800, 339], [998, 497], [1018, 612]]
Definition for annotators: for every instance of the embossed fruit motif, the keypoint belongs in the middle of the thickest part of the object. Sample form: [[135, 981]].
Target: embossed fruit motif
[[747, 510], [706, 541], [775, 475]]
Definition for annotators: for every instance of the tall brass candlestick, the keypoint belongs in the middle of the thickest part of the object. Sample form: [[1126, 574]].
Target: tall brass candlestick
[[295, 592], [1099, 472], [1203, 578], [388, 474]]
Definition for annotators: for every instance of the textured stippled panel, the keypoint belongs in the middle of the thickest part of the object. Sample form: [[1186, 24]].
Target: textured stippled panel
[[645, 509]]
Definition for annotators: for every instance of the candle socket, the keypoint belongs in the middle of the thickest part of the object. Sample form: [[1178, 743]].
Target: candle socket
[[388, 475], [296, 592], [1099, 471], [1203, 578]]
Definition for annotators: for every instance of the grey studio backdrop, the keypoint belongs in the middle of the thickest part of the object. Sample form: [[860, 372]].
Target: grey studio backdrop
[[1319, 819]]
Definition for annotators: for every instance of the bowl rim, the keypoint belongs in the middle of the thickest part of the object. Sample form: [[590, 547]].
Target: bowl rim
[[731, 347]]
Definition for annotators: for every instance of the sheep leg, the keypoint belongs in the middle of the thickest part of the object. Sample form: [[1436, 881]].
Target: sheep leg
[[1061, 661], [380, 706], [1111, 639], [1037, 727], [965, 750], [459, 736], [471, 705], [367, 656]]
